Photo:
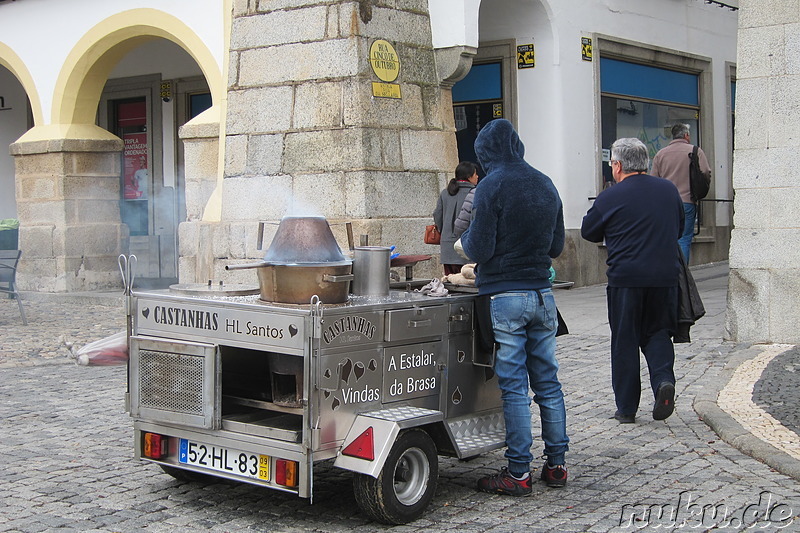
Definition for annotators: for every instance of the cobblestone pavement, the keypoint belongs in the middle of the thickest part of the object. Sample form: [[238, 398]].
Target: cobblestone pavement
[[776, 389], [65, 445]]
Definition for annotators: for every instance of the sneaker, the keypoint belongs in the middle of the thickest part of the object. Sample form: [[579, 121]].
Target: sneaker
[[665, 401], [554, 476], [505, 483], [624, 419]]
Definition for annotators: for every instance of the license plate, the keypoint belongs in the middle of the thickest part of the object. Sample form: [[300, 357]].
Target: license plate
[[237, 462]]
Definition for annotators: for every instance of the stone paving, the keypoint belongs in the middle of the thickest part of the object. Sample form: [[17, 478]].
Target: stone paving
[[66, 450]]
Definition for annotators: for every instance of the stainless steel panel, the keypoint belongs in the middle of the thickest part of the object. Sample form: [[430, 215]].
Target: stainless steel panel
[[470, 388], [461, 316], [412, 371], [416, 322], [175, 382], [282, 427], [477, 433], [353, 329], [191, 318]]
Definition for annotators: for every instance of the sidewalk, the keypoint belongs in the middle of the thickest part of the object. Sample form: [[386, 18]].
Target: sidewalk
[[68, 466]]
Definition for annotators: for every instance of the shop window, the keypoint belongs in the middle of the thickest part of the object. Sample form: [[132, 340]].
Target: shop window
[[477, 99], [643, 101], [198, 103], [130, 123]]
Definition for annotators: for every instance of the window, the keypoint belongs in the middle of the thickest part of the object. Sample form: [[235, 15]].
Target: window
[[644, 101], [477, 99]]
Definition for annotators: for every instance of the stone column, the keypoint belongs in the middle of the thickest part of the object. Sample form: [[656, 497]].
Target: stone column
[[305, 135], [765, 256], [68, 194]]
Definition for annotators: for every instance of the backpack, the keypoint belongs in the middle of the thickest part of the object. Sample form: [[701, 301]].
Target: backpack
[[698, 183]]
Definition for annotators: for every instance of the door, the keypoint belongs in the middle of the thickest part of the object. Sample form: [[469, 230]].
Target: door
[[148, 203]]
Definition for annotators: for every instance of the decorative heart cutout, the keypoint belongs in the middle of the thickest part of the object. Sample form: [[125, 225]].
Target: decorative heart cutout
[[347, 367], [359, 370], [292, 330], [146, 312]]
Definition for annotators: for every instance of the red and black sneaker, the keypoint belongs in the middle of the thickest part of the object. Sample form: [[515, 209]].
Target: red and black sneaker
[[505, 483], [554, 476]]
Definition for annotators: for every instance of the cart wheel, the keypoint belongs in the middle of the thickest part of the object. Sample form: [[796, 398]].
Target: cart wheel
[[185, 475], [406, 483]]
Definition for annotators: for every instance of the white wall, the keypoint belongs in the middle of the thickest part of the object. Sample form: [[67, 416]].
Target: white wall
[[13, 123], [557, 115], [60, 25]]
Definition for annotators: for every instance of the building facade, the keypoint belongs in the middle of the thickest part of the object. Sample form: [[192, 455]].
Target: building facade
[[181, 132]]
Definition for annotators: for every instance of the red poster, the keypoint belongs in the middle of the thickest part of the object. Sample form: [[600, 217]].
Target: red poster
[[137, 175]]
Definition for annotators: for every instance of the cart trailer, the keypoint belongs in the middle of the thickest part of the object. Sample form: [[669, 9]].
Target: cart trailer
[[232, 386]]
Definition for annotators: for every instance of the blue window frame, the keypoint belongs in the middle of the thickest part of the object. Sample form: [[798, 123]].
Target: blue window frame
[[484, 82], [643, 81]]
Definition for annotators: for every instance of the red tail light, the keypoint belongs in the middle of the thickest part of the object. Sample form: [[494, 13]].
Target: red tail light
[[286, 473], [155, 446]]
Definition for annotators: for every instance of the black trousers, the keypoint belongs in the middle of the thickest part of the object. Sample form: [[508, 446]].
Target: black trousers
[[641, 318]]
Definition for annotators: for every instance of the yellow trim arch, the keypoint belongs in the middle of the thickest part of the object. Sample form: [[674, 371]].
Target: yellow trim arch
[[10, 60], [87, 67]]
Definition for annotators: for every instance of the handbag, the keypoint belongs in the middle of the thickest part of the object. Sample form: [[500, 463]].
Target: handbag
[[432, 235], [698, 184]]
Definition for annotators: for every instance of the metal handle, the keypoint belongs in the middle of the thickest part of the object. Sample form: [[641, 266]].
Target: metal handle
[[335, 279], [460, 318], [245, 265], [420, 323]]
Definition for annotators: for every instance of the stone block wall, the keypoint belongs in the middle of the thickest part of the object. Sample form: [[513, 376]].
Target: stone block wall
[[305, 136], [764, 255], [68, 205]]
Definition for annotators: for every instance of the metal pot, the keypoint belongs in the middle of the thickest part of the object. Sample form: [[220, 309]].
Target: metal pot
[[296, 284], [303, 260], [371, 270]]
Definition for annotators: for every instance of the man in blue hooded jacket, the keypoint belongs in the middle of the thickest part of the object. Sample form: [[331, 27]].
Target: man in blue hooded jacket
[[517, 228]]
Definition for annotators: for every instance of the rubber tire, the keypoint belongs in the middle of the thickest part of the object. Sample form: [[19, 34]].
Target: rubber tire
[[413, 453], [186, 475]]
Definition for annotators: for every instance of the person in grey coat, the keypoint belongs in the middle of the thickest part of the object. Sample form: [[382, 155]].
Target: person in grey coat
[[447, 209]]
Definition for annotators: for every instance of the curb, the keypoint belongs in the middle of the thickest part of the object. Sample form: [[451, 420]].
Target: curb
[[730, 431]]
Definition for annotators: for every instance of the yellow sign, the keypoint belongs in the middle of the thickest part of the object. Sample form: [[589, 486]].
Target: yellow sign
[[385, 90], [384, 60], [525, 57], [497, 110], [586, 48]]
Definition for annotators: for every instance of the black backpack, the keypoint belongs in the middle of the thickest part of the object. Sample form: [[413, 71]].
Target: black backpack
[[698, 183]]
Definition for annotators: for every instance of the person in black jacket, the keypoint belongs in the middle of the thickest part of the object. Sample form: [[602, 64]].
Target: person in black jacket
[[640, 218], [516, 231]]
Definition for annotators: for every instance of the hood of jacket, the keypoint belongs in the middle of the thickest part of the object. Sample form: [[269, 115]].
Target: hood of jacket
[[497, 144]]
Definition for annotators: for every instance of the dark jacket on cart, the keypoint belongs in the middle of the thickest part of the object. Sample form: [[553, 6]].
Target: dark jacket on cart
[[513, 253]]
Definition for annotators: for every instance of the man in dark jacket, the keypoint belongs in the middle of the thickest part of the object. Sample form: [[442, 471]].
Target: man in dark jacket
[[517, 227], [640, 219]]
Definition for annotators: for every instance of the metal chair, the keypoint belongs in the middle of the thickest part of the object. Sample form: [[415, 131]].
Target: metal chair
[[8, 276]]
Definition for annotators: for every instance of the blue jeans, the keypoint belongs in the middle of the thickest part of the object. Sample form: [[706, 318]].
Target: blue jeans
[[524, 324], [685, 242]]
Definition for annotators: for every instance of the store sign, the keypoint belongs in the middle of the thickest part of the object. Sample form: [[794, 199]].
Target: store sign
[[586, 48], [137, 175], [386, 66], [384, 61], [386, 90], [525, 56]]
